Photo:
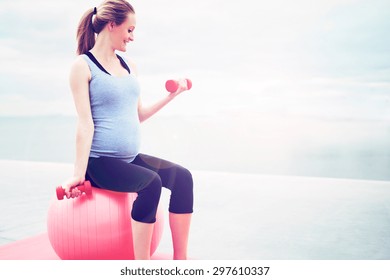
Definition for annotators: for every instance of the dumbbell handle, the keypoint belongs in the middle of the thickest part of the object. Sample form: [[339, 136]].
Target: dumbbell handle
[[173, 85], [84, 188]]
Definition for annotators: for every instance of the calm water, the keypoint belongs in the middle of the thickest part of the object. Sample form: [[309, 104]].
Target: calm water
[[264, 144]]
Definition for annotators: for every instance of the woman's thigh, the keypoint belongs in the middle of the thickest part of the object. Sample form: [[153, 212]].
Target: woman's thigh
[[117, 175], [169, 172]]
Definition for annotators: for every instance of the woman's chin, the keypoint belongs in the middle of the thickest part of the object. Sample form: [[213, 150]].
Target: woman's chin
[[122, 48]]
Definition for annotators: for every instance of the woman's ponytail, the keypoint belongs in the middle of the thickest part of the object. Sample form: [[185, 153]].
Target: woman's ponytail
[[85, 32]]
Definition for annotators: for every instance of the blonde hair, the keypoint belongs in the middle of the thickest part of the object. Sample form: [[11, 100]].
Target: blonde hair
[[95, 19]]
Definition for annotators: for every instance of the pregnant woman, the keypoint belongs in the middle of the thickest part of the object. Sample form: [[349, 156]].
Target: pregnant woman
[[109, 108]]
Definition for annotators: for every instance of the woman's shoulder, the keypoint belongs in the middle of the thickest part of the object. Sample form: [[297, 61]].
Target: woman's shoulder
[[80, 63], [80, 66]]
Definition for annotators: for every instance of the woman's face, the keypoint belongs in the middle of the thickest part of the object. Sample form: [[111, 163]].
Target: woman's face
[[123, 33]]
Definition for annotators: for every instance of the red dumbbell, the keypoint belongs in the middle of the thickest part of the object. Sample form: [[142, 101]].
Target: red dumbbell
[[172, 85], [84, 188]]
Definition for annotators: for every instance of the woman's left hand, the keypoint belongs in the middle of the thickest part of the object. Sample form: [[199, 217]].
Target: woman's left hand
[[182, 87]]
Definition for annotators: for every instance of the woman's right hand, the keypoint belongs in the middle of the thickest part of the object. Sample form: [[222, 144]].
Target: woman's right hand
[[70, 184]]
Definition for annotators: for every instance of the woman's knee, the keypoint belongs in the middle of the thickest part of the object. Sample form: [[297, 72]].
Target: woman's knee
[[146, 204], [182, 198], [185, 178]]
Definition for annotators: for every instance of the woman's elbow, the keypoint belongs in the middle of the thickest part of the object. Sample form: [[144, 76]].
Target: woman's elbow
[[141, 117]]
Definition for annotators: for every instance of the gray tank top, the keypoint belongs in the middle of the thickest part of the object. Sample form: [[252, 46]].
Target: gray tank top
[[114, 103]]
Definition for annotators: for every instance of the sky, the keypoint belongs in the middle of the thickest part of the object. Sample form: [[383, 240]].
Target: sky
[[323, 58]]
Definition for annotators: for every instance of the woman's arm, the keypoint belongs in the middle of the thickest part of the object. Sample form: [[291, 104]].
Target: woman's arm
[[146, 112], [80, 76]]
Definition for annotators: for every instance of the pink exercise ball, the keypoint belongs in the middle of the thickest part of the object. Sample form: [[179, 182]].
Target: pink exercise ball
[[96, 226]]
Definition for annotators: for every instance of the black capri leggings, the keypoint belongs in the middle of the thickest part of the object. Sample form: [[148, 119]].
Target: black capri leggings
[[145, 175]]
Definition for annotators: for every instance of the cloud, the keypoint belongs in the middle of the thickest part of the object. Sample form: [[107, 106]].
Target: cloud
[[232, 50]]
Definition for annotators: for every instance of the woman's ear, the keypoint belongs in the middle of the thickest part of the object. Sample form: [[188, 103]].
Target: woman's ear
[[111, 25]]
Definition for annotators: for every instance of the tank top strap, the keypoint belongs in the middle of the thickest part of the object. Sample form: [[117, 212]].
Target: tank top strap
[[95, 70], [124, 63], [97, 66]]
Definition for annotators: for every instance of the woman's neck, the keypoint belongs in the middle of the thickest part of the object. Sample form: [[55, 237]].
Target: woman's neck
[[103, 50]]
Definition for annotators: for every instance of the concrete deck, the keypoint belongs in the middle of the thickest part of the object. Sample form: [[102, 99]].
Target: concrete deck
[[237, 216]]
